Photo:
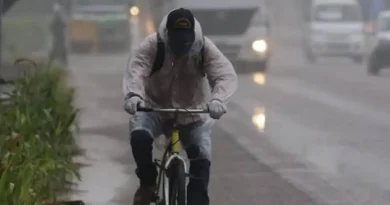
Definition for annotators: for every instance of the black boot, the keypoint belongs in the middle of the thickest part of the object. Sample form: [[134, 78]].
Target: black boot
[[142, 147], [197, 189]]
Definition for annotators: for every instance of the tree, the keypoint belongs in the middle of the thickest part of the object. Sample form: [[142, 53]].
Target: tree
[[5, 5]]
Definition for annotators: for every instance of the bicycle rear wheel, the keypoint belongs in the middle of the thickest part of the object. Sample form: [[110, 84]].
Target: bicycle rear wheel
[[177, 183]]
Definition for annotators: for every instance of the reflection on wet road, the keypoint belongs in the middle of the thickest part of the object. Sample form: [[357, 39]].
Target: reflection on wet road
[[258, 119], [259, 78]]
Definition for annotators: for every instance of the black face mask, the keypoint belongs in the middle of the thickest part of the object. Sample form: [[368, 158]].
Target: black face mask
[[179, 48]]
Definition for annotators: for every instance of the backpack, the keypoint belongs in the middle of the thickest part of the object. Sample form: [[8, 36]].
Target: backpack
[[160, 55]]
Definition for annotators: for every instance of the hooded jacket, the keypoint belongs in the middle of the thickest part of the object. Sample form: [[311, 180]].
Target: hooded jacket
[[180, 85]]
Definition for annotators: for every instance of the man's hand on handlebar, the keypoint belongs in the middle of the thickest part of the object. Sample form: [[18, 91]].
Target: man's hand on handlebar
[[171, 110], [216, 109], [132, 104]]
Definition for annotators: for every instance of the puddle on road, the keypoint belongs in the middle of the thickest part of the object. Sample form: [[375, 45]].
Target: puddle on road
[[110, 179]]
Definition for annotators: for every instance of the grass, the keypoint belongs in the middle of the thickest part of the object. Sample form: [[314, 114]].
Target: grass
[[38, 126]]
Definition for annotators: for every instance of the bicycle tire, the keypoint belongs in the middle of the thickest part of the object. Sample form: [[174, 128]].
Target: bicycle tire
[[165, 189], [177, 183]]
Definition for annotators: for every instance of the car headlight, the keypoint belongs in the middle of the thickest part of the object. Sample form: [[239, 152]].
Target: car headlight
[[134, 11], [259, 45]]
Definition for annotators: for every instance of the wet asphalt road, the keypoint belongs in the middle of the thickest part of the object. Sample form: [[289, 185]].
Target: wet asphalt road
[[331, 121], [300, 134], [237, 175]]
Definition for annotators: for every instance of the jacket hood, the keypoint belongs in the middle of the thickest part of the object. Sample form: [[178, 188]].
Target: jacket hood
[[198, 43]]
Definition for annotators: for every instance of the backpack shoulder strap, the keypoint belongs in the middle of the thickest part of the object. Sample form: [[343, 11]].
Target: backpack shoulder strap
[[160, 55], [202, 66]]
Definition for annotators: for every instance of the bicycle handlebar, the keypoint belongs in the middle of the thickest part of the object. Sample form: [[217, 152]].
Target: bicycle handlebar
[[171, 110]]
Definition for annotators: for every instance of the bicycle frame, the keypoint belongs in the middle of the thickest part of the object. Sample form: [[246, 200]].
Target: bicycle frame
[[174, 141], [172, 152]]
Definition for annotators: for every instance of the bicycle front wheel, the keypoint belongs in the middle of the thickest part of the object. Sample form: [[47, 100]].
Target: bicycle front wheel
[[177, 183]]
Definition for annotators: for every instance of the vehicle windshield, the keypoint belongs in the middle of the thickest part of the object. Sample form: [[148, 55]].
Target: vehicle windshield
[[224, 21], [337, 13], [385, 24], [260, 20]]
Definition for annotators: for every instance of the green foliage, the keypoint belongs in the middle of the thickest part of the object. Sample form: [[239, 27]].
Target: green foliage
[[37, 138]]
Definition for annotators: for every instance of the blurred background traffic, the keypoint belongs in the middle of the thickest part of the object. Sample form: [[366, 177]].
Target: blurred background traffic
[[244, 31]]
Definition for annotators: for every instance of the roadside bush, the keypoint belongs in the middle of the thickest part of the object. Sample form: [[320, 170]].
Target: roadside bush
[[37, 138]]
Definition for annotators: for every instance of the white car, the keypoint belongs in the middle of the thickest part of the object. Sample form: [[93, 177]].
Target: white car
[[335, 29], [240, 29]]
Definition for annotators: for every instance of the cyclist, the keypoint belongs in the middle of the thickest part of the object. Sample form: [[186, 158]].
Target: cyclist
[[180, 84]]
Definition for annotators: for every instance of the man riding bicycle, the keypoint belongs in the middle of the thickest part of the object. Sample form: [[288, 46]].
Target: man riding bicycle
[[193, 74]]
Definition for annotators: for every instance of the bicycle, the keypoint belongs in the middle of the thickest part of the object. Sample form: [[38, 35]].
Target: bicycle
[[172, 169]]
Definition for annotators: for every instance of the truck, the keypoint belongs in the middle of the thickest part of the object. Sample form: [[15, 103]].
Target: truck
[[99, 24]]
